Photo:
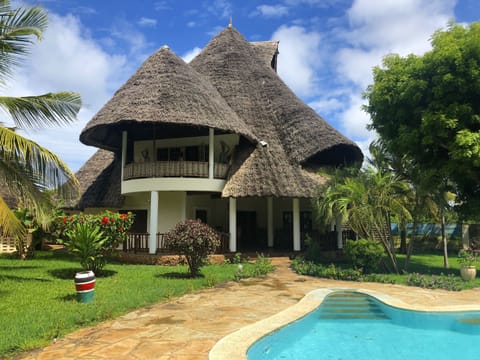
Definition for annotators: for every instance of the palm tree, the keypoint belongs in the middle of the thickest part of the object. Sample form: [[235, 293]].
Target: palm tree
[[367, 202], [28, 170]]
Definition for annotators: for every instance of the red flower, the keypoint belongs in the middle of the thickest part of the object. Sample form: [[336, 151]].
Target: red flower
[[124, 216], [112, 219], [120, 229], [64, 219], [104, 220]]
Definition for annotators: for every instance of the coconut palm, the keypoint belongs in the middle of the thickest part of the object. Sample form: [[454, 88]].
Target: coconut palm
[[28, 171], [367, 201]]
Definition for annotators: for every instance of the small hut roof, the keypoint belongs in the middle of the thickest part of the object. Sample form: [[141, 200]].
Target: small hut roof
[[164, 90], [99, 180]]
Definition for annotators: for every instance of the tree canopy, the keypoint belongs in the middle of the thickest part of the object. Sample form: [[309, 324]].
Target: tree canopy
[[427, 109]]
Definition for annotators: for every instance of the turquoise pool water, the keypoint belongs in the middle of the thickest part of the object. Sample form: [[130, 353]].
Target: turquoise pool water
[[352, 325]]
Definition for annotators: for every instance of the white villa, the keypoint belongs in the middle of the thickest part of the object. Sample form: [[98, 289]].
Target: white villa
[[221, 139]]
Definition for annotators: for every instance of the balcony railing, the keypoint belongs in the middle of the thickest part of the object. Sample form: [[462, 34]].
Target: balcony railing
[[138, 243], [173, 169]]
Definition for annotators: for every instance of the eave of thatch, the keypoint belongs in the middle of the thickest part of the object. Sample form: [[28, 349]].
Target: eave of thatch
[[99, 180], [294, 133], [163, 91]]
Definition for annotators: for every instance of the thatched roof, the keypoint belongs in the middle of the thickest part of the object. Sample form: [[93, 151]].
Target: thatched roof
[[99, 180], [267, 51], [231, 86], [164, 91], [295, 134]]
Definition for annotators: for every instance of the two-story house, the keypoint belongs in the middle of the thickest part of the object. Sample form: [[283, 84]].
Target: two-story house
[[221, 139]]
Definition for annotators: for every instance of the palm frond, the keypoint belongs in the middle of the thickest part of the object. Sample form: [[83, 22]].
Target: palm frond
[[43, 110], [10, 225], [18, 29]]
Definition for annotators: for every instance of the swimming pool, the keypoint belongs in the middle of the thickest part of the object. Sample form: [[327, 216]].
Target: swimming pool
[[354, 325]]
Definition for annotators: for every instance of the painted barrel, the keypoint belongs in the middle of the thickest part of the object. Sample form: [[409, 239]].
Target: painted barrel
[[85, 286]]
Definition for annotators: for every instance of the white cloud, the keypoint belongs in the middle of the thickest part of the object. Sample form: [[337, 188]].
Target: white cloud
[[222, 8], [189, 55], [271, 10], [299, 58], [147, 22], [68, 60]]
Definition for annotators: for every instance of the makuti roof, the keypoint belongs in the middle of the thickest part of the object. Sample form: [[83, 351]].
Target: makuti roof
[[231, 86]]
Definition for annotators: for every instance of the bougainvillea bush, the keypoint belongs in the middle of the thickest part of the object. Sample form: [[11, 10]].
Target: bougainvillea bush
[[92, 236], [194, 240]]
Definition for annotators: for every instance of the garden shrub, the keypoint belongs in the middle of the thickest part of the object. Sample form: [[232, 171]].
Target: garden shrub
[[302, 267], [446, 282], [194, 240], [261, 267], [364, 254], [313, 249]]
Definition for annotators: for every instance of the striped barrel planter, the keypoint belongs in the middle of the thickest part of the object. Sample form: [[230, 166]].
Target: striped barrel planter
[[85, 286]]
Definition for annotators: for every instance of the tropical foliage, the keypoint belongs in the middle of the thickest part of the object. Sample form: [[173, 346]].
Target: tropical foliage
[[366, 202], [28, 170], [364, 254], [92, 236], [194, 240], [426, 109]]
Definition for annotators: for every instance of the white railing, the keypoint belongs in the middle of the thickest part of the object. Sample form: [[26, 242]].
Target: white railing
[[173, 169]]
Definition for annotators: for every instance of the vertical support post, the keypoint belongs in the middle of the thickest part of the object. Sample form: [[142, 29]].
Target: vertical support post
[[232, 212], [211, 153], [338, 225], [465, 236], [270, 222], [124, 152], [152, 240], [296, 224], [183, 199]]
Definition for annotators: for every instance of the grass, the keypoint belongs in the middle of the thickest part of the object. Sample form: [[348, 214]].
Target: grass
[[38, 298]]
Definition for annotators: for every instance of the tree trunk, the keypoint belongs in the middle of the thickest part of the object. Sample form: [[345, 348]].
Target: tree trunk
[[444, 241], [402, 227]]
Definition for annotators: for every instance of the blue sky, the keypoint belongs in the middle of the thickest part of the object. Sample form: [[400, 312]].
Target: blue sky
[[327, 49]]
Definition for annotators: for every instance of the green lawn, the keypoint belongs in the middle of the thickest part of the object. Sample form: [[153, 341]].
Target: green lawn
[[38, 298]]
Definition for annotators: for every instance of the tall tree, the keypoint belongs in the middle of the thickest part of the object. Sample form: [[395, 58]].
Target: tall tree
[[28, 170], [426, 108]]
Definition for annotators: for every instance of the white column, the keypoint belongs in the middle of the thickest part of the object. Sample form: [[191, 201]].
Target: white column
[[338, 225], [232, 213], [183, 200], [296, 225], [270, 221], [152, 241], [465, 236], [211, 152], [124, 152]]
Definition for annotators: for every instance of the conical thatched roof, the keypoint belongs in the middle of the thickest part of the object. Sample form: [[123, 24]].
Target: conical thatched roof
[[267, 51], [99, 180], [163, 91], [294, 133]]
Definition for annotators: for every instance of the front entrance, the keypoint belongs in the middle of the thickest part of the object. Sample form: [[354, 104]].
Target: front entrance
[[140, 221], [246, 230]]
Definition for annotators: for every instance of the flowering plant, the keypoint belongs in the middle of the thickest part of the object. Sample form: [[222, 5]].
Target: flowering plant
[[114, 226]]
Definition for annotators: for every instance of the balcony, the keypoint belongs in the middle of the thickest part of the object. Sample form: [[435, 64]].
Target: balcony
[[160, 169]]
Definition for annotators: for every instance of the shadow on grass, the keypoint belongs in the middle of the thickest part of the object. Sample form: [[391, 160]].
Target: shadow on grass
[[178, 275], [18, 267], [22, 278], [70, 273], [69, 297]]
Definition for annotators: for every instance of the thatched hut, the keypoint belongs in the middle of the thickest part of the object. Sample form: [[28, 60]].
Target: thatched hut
[[222, 139]]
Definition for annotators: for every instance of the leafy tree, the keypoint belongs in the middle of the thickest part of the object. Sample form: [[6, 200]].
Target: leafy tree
[[28, 170], [426, 108]]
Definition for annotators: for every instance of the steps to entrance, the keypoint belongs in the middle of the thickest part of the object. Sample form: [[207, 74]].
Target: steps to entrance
[[350, 306]]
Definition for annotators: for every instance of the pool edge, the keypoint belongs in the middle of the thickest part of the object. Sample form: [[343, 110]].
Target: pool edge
[[235, 345]]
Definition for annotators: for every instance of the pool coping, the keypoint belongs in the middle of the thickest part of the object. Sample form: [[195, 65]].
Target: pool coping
[[235, 345]]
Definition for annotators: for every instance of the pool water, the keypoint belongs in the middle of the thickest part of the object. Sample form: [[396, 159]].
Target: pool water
[[352, 325]]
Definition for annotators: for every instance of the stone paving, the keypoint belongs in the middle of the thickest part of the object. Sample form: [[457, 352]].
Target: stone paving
[[189, 326]]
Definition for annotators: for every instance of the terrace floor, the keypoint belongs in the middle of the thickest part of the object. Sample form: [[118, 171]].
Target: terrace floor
[[189, 326]]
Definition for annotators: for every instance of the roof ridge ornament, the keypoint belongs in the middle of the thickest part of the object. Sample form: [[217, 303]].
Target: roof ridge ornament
[[230, 25]]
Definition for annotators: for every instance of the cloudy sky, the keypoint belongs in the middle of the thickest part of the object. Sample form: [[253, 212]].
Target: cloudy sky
[[327, 49]]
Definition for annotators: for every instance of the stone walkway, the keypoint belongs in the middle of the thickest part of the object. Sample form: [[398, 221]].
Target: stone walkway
[[188, 327]]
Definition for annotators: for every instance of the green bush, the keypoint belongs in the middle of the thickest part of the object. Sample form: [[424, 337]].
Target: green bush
[[261, 267], [446, 282], [87, 242], [313, 249], [364, 254], [302, 267], [194, 240]]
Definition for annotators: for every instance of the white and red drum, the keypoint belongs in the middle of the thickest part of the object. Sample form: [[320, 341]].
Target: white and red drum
[[85, 285]]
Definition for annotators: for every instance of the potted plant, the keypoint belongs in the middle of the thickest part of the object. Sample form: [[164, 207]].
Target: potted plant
[[467, 260]]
